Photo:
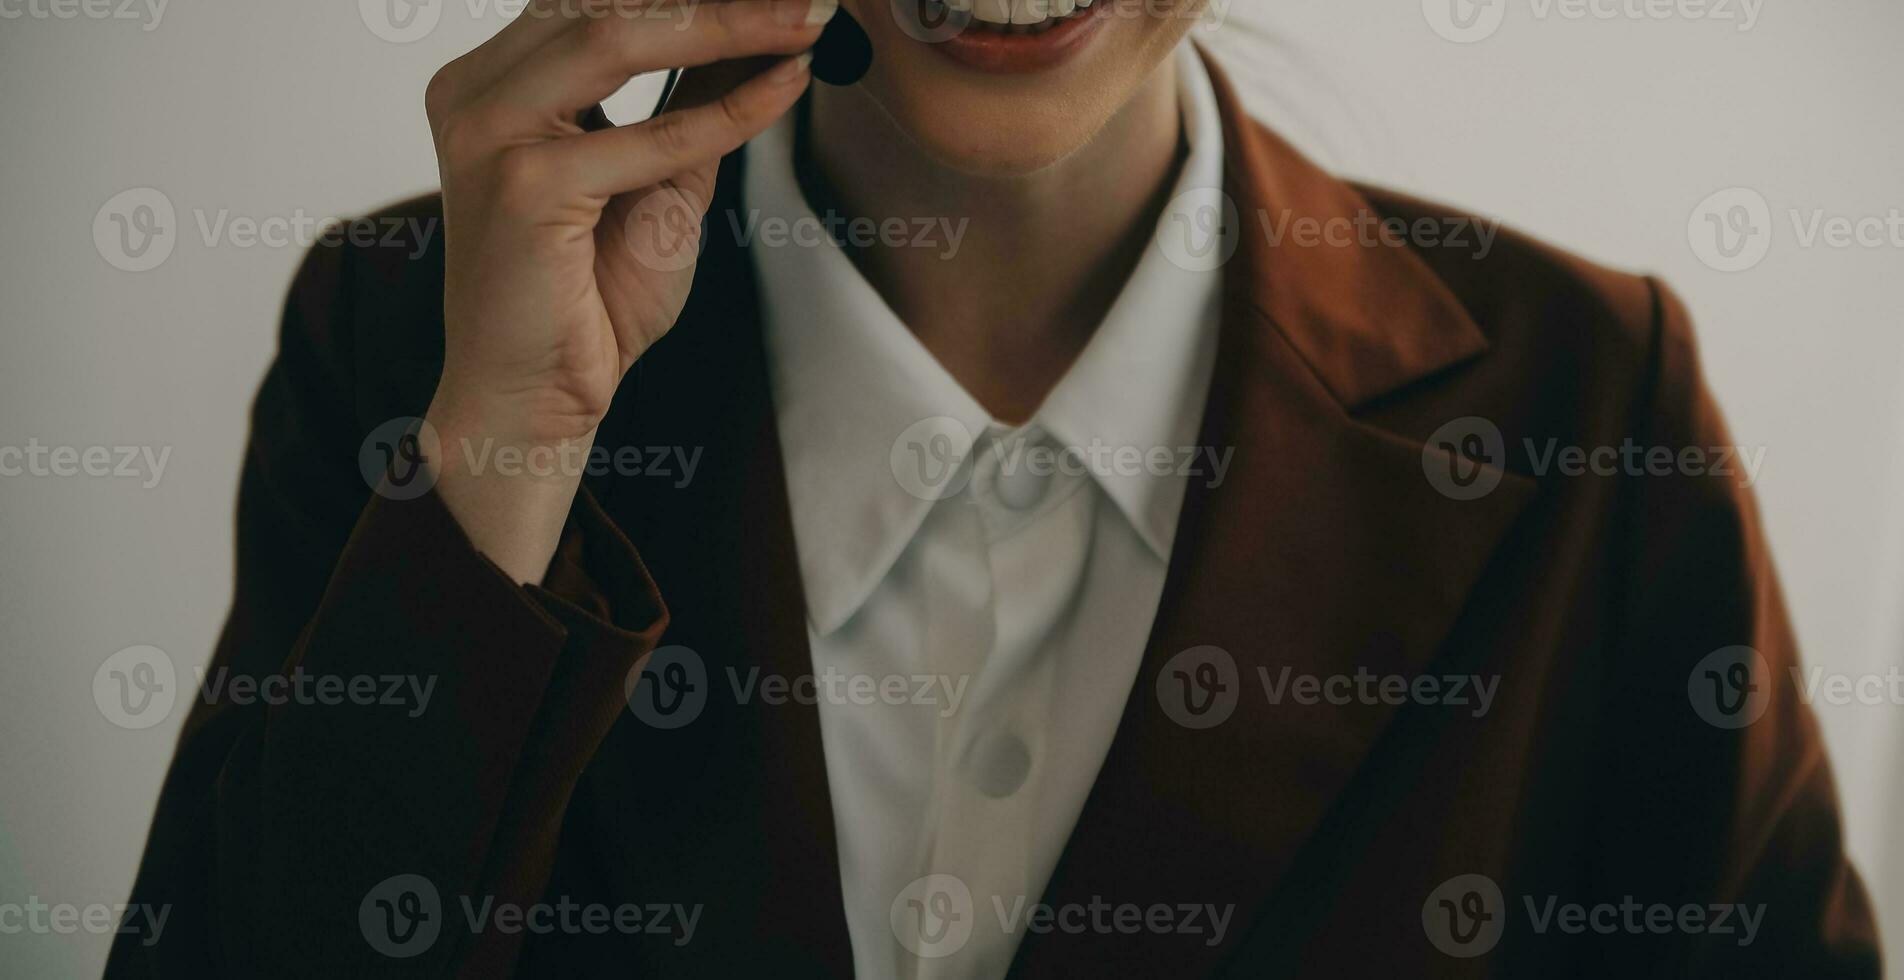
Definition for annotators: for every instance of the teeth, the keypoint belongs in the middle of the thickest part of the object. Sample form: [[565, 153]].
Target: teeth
[[1018, 13], [992, 11]]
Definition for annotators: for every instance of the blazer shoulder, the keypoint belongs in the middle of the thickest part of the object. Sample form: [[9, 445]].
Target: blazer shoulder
[[394, 257], [367, 304], [1510, 280], [1557, 324]]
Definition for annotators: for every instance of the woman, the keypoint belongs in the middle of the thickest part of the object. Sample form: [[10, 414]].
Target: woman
[[1011, 514]]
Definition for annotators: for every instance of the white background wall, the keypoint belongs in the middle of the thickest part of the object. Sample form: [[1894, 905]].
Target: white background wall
[[1601, 135]]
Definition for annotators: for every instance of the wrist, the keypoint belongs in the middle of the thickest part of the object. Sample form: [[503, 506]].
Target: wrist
[[526, 419], [509, 486]]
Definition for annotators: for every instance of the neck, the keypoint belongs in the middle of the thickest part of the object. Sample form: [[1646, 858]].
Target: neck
[[1042, 258]]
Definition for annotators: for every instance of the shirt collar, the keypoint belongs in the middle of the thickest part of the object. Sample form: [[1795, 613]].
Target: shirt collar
[[854, 389]]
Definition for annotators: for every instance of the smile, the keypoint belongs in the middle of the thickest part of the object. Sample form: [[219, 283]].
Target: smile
[[1016, 36]]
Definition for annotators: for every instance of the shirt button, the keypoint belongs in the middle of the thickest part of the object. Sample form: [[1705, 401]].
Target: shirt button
[[1002, 765]]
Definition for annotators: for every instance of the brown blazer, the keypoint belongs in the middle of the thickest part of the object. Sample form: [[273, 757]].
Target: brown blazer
[[1328, 827]]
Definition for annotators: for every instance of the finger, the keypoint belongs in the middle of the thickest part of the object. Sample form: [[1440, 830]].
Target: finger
[[593, 60], [706, 84], [542, 21], [539, 22], [697, 86], [616, 161]]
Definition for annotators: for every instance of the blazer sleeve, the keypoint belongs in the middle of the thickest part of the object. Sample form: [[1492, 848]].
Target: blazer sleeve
[[1720, 792], [287, 832]]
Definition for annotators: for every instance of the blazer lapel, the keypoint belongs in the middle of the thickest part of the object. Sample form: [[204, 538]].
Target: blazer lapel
[[1324, 553]]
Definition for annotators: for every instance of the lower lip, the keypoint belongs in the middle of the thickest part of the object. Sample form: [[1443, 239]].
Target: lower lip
[[1017, 54]]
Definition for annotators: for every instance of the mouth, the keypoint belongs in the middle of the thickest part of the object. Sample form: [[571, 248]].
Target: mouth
[[1016, 36]]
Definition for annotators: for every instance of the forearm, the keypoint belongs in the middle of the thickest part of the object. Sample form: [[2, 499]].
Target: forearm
[[279, 821]]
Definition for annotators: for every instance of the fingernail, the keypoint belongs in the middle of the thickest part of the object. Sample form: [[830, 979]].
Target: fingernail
[[792, 68], [821, 11]]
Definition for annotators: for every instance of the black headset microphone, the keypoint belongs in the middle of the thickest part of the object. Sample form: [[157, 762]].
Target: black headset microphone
[[841, 56]]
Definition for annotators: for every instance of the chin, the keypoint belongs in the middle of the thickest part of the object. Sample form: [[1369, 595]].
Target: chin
[[1005, 136]]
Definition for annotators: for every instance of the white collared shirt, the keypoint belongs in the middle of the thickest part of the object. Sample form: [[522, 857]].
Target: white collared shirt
[[978, 602]]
